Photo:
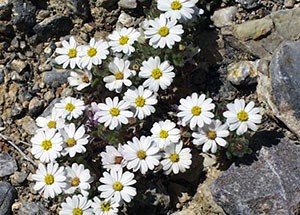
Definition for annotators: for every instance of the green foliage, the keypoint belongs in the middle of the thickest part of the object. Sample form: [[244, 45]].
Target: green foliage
[[238, 147]]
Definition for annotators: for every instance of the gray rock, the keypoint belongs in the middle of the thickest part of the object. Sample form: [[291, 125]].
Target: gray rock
[[224, 16], [36, 106], [55, 78], [17, 111], [270, 185], [48, 110], [33, 208], [127, 4], [18, 178], [24, 18], [54, 26], [6, 32], [289, 3], [248, 4], [8, 165], [7, 196], [280, 87], [5, 9], [18, 65], [81, 8], [2, 77]]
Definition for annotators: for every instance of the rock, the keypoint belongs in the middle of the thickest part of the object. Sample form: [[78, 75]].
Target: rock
[[125, 20], [127, 4], [289, 3], [81, 8], [33, 208], [55, 78], [6, 32], [17, 111], [7, 196], [18, 178], [27, 124], [224, 16], [107, 4], [36, 106], [5, 10], [24, 18], [280, 87], [8, 165], [54, 26], [243, 72], [48, 110], [248, 4], [253, 29], [270, 185], [1, 76], [18, 65]]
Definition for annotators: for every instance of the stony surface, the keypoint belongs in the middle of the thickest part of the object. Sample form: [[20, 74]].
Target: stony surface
[[279, 88], [224, 17], [31, 208], [8, 165], [243, 72], [7, 196], [273, 181]]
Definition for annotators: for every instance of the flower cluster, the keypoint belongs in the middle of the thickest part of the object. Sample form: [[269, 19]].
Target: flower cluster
[[134, 95]]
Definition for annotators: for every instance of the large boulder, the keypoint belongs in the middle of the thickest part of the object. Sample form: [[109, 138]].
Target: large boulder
[[279, 86], [269, 185]]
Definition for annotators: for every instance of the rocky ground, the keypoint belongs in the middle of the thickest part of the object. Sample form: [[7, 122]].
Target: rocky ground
[[251, 50]]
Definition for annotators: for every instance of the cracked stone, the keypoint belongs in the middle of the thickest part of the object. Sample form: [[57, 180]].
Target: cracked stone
[[8, 165], [269, 185], [7, 196]]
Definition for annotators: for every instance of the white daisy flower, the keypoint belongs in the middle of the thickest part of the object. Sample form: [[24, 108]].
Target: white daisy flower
[[105, 207], [211, 135], [164, 133], [76, 205], [70, 108], [68, 54], [54, 121], [163, 31], [46, 145], [80, 79], [141, 154], [74, 140], [122, 40], [240, 118], [121, 74], [176, 159], [113, 113], [177, 9], [112, 158], [93, 54], [50, 180], [142, 101], [159, 75], [78, 178], [117, 186], [195, 110]]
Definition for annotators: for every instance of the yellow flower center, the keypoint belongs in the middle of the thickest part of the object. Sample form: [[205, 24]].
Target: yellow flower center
[[211, 135], [118, 159], [77, 211], [51, 124], [75, 182], [69, 107], [174, 158], [123, 40], [114, 111], [163, 134], [163, 31], [92, 52], [46, 144], [156, 73], [119, 75], [140, 101], [242, 116], [70, 142], [85, 79], [117, 186], [49, 179], [196, 110], [105, 206], [141, 154], [176, 5], [72, 53]]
